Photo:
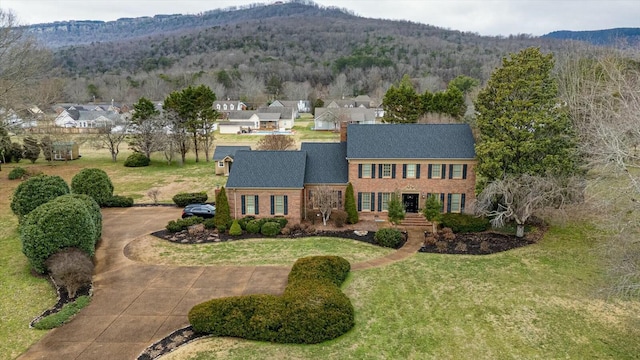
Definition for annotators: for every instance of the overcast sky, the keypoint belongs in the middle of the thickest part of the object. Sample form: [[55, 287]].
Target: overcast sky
[[486, 17]]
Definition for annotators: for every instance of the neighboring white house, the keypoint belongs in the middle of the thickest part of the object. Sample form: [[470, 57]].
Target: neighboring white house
[[330, 118], [265, 118]]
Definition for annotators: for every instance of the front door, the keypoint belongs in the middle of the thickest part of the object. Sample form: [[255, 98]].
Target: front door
[[410, 202]]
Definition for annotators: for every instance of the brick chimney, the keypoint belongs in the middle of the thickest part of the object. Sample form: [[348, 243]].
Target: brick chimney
[[343, 131]]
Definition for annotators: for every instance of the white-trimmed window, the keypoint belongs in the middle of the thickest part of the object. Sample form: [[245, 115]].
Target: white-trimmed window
[[250, 205], [366, 171], [411, 171], [456, 203], [386, 170], [278, 204], [436, 171], [384, 201], [366, 201], [456, 171]]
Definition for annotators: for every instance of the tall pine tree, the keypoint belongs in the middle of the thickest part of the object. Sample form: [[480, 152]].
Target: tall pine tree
[[524, 128]]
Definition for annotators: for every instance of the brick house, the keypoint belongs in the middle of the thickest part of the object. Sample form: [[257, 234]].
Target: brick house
[[413, 160]]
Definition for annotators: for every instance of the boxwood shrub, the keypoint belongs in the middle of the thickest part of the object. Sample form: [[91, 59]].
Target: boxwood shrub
[[137, 160], [17, 173], [391, 238], [182, 224], [311, 310], [94, 211], [464, 223], [184, 199], [36, 191], [93, 182], [118, 201], [253, 226], [235, 229], [270, 229], [60, 223]]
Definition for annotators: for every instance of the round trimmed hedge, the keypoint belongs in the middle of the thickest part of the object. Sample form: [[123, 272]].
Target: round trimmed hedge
[[184, 199], [137, 160], [94, 211], [391, 238], [17, 173], [93, 182], [63, 222], [36, 191]]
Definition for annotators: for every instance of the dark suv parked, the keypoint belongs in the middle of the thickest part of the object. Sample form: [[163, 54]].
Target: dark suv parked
[[202, 210]]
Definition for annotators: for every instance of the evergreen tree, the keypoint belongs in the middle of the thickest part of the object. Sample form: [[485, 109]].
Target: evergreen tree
[[432, 211], [524, 129], [350, 205], [223, 213], [31, 149], [401, 103], [395, 209]]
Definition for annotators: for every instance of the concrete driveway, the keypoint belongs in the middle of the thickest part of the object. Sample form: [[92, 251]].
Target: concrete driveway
[[135, 305]]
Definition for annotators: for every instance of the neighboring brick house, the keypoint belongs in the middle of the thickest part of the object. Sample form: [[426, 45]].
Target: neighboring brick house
[[413, 160]]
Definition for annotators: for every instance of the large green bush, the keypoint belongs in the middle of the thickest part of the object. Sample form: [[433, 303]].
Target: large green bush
[[350, 205], [464, 223], [270, 229], [94, 211], [253, 226], [137, 160], [17, 173], [36, 191], [311, 310], [184, 199], [93, 182], [223, 212], [391, 238], [60, 223]]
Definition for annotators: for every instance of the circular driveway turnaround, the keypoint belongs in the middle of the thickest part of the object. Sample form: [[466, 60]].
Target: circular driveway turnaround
[[135, 305]]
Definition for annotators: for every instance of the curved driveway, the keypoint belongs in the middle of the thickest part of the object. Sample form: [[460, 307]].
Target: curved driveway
[[135, 305]]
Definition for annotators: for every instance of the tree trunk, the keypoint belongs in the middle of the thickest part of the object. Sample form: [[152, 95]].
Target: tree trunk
[[520, 230]]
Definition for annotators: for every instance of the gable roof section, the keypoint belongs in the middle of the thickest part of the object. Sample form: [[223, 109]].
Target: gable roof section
[[222, 152], [268, 169], [410, 141], [326, 163]]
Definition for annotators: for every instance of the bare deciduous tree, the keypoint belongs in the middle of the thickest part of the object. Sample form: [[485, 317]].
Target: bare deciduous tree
[[111, 139], [324, 200], [517, 198], [276, 142]]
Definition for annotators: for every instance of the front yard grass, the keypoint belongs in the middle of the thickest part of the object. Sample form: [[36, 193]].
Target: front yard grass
[[539, 301]]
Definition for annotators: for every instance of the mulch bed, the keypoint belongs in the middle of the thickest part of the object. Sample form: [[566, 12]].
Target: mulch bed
[[483, 243]]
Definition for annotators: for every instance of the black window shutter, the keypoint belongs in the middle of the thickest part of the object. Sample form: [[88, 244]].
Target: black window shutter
[[242, 206], [450, 171], [393, 171], [359, 171], [286, 205], [373, 201], [462, 202], [429, 168], [404, 171], [272, 198], [257, 207], [464, 171], [448, 203], [379, 170], [373, 171], [359, 201], [442, 202], [417, 171], [379, 201], [443, 169]]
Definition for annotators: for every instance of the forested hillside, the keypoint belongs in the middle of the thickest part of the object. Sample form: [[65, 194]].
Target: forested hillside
[[618, 37], [290, 50]]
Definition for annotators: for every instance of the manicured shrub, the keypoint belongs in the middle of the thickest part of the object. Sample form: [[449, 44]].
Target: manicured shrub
[[464, 223], [282, 221], [223, 212], [209, 224], [93, 182], [118, 201], [94, 211], [71, 269], [253, 226], [350, 205], [221, 228], [243, 221], [35, 191], [60, 223], [311, 310], [339, 217], [17, 173], [184, 199], [391, 238], [270, 229], [235, 229], [137, 160], [182, 224]]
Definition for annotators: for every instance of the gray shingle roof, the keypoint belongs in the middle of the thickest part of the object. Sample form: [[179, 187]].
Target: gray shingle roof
[[222, 152], [326, 163], [267, 169], [410, 141]]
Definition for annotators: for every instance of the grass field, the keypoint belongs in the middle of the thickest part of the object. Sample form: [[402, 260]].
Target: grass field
[[540, 301]]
